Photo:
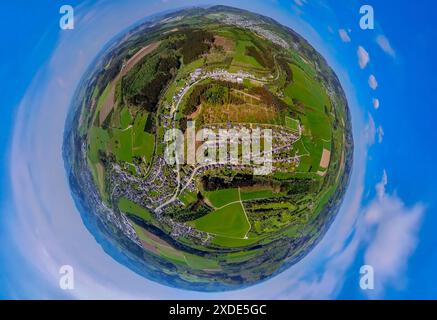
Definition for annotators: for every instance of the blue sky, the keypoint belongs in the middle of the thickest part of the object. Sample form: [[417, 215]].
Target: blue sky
[[387, 219]]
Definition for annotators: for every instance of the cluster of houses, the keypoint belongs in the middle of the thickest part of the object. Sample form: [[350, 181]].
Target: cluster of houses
[[255, 26]]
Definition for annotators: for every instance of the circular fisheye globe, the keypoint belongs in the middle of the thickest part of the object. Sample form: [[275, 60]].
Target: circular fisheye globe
[[208, 149]]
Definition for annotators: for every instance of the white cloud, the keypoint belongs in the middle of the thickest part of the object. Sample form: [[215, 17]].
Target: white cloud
[[363, 57], [370, 131], [380, 186], [394, 227], [375, 103], [300, 3], [297, 9], [380, 132], [344, 36], [372, 82], [385, 45]]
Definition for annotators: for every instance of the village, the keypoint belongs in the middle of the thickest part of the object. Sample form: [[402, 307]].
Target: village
[[232, 148]]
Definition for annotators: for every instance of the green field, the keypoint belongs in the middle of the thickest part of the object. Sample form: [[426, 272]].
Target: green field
[[241, 58], [198, 262], [229, 221], [121, 144], [98, 140], [124, 143], [125, 118], [227, 242], [127, 206], [291, 123], [220, 198], [316, 121], [187, 197], [143, 142], [307, 90]]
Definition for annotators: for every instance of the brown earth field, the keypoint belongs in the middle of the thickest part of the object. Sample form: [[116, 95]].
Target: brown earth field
[[244, 113], [326, 156], [227, 44]]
